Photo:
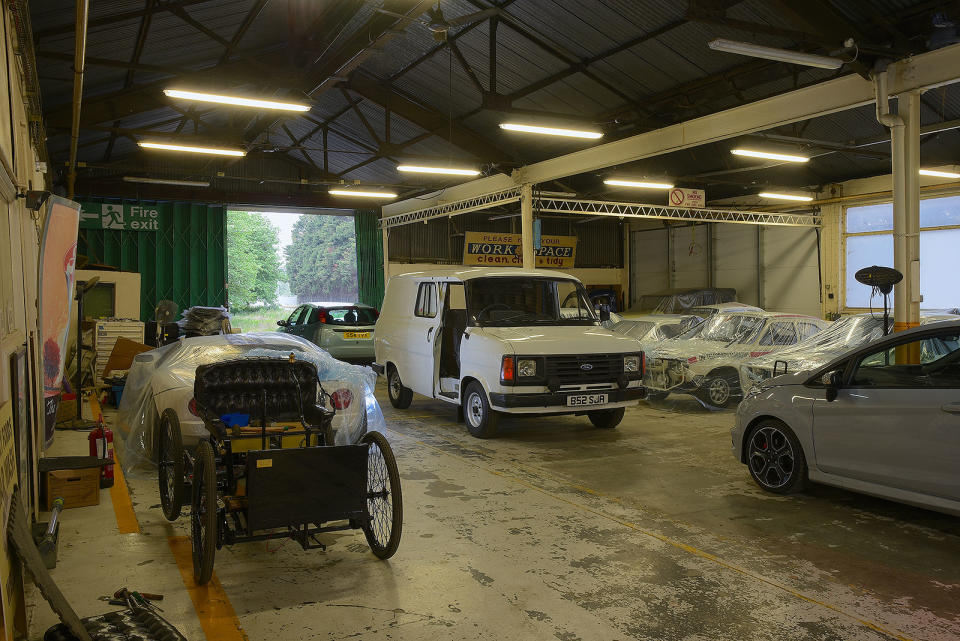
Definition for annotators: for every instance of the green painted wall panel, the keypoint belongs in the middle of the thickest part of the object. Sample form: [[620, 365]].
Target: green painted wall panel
[[182, 261]]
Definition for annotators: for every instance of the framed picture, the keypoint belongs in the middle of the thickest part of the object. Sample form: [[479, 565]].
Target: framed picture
[[22, 429]]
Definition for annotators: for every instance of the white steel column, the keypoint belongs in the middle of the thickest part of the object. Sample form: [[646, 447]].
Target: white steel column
[[386, 255], [909, 287], [526, 226]]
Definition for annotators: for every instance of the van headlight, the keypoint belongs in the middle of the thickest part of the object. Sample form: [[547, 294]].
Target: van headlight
[[631, 364], [526, 368]]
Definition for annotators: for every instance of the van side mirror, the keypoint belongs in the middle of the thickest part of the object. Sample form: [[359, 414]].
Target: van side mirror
[[833, 381], [282, 323]]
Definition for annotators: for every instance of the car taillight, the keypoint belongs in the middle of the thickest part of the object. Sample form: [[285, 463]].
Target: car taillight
[[192, 406], [506, 369], [643, 363], [322, 316], [342, 398], [376, 314]]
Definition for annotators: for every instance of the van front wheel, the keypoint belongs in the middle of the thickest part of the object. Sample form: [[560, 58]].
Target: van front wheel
[[606, 419], [400, 396], [481, 419]]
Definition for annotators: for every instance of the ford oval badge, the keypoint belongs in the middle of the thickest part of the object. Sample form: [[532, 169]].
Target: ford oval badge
[[586, 367]]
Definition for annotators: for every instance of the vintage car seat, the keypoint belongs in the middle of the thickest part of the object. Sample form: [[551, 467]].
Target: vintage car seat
[[269, 389]]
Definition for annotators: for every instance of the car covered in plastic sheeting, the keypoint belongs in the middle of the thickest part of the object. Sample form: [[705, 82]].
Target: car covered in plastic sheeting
[[651, 329], [842, 335], [679, 301], [709, 311], [163, 378], [705, 362]]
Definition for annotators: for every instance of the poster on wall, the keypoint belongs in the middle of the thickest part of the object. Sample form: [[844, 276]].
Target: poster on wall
[[495, 249], [58, 255]]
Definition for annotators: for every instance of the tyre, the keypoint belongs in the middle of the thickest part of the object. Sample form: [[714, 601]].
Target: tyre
[[384, 499], [606, 419], [203, 519], [775, 458], [481, 420], [170, 464], [719, 389], [400, 396]]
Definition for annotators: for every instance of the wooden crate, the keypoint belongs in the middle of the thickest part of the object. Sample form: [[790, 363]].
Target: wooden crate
[[78, 488]]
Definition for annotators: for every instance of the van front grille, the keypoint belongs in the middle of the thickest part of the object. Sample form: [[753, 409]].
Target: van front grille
[[582, 369]]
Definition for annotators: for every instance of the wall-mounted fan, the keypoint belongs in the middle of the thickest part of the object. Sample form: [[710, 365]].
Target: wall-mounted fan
[[440, 25]]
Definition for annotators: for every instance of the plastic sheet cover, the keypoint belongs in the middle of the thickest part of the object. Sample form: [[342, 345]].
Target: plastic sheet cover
[[841, 336], [705, 362], [679, 301], [163, 378]]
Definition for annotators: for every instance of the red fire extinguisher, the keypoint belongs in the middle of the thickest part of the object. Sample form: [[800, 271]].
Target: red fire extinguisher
[[101, 446]]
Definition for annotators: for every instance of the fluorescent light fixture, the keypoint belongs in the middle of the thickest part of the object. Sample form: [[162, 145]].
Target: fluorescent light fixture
[[637, 183], [550, 131], [803, 199], [362, 194], [166, 181], [217, 151], [453, 171], [238, 101], [752, 153], [773, 53], [938, 174]]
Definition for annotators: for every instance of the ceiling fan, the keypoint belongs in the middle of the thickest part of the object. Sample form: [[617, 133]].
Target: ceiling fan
[[440, 25]]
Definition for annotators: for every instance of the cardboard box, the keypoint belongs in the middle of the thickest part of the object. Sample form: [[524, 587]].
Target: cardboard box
[[79, 488], [121, 358]]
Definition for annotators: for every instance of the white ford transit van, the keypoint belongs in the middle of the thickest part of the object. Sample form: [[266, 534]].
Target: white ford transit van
[[504, 341]]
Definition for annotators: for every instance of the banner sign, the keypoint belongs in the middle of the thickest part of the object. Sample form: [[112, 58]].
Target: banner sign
[[494, 249], [125, 216], [694, 198], [58, 255]]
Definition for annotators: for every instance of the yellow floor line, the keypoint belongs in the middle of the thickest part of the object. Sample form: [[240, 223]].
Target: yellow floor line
[[689, 549], [127, 522], [216, 614]]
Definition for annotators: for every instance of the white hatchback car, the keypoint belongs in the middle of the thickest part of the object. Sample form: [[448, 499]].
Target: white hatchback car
[[882, 419], [705, 361], [504, 340]]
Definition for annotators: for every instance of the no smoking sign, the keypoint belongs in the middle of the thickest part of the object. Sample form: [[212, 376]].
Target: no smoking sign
[[680, 197]]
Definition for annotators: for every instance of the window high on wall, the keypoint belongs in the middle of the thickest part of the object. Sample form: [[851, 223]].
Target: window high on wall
[[869, 241]]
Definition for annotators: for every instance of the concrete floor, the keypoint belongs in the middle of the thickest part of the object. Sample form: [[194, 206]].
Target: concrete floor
[[555, 530]]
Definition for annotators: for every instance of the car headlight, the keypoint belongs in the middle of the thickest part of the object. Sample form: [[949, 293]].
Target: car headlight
[[526, 368], [631, 364]]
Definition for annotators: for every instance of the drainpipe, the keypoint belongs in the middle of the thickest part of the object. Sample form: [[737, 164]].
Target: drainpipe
[[79, 55], [899, 156]]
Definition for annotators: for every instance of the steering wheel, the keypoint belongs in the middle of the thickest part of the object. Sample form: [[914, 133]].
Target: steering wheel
[[566, 300], [490, 308]]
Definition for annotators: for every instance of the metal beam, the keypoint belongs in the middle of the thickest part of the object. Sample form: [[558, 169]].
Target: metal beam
[[425, 117], [923, 71], [114, 18]]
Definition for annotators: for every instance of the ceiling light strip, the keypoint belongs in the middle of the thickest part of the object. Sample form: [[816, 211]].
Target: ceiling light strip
[[779, 196], [939, 174], [357, 193], [551, 131], [637, 183], [166, 181], [754, 153], [774, 53], [217, 151], [453, 171], [237, 101]]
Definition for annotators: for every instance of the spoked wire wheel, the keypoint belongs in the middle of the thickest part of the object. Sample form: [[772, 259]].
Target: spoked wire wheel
[[384, 500], [776, 458], [170, 465], [203, 518]]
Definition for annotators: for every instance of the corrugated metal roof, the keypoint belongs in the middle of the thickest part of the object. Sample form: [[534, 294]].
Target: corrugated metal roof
[[569, 32]]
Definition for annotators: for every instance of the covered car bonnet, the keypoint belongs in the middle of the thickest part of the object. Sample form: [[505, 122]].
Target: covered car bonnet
[[173, 367]]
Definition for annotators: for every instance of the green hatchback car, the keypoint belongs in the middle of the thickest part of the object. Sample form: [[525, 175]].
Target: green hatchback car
[[344, 330]]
